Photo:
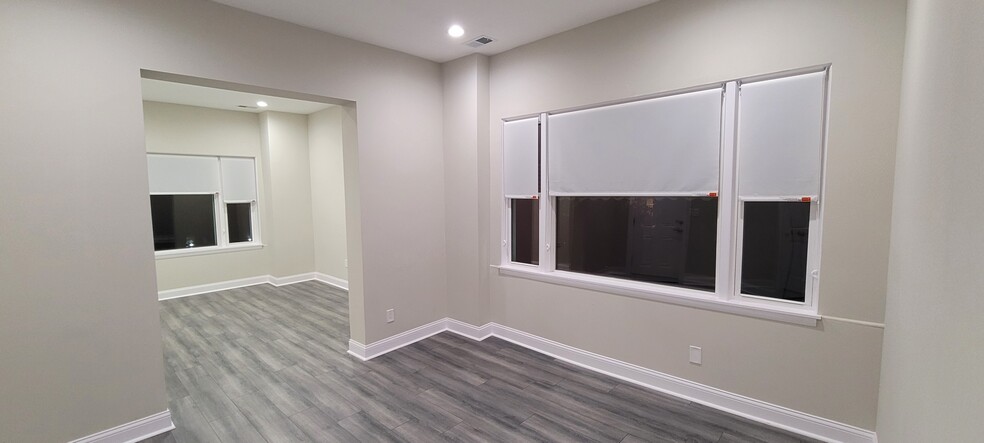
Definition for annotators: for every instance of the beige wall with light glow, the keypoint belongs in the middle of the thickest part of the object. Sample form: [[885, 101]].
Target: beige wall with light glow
[[328, 191], [931, 387], [92, 335]]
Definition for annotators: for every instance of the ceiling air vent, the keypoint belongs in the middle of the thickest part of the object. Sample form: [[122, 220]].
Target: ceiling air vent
[[480, 41]]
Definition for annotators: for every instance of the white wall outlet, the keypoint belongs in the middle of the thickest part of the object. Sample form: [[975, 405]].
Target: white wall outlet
[[390, 315], [695, 355], [346, 263]]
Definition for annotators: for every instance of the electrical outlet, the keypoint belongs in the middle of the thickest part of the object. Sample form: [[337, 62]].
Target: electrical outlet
[[346, 263], [390, 315], [695, 355]]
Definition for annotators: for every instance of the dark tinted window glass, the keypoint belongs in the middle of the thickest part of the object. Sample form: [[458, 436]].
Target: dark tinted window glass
[[182, 221], [525, 231], [240, 222], [667, 240], [773, 258]]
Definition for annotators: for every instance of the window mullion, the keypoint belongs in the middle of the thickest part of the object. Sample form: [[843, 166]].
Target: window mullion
[[254, 217], [505, 230], [547, 218], [816, 213], [221, 220], [727, 201]]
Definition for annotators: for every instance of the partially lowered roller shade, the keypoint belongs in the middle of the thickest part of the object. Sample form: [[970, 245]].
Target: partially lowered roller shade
[[667, 146], [780, 135], [520, 154], [176, 174], [238, 179]]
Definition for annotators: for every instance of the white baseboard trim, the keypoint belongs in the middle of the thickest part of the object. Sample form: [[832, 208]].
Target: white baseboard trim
[[332, 281], [291, 279], [133, 431], [750, 408], [477, 333], [251, 281], [358, 350], [375, 349], [212, 287]]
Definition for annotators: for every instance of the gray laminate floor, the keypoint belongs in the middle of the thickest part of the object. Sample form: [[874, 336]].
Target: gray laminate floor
[[266, 364]]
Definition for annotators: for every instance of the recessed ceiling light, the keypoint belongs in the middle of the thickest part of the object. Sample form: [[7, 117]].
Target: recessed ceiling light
[[456, 31], [261, 104]]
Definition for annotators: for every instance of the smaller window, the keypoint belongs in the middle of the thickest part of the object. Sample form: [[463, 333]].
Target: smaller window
[[774, 249], [525, 230], [183, 221], [240, 222]]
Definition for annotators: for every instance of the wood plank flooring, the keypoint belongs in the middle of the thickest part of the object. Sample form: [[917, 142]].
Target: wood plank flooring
[[268, 364]]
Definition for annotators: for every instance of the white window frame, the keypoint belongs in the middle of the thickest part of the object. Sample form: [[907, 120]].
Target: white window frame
[[506, 242], [221, 217], [727, 296], [254, 220], [507, 211]]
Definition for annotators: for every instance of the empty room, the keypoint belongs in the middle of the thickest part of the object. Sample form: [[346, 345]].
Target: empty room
[[438, 220]]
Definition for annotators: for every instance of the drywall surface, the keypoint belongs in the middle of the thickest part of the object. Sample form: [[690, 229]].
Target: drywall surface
[[353, 224], [830, 371], [286, 164], [191, 130], [464, 87], [79, 328], [931, 385], [328, 191]]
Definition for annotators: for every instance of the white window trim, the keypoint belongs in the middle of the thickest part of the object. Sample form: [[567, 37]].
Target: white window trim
[[661, 293], [221, 217], [812, 257], [254, 220], [727, 296], [206, 250]]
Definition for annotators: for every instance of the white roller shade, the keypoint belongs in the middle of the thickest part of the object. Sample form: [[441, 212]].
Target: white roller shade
[[667, 146], [780, 134], [520, 154], [173, 174], [238, 179]]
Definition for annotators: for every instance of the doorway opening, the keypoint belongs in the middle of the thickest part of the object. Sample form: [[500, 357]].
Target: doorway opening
[[248, 189]]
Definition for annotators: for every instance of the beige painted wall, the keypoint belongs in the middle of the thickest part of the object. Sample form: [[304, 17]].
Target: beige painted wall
[[832, 370], [179, 129], [79, 328], [287, 168], [328, 191], [465, 114], [931, 387], [353, 224]]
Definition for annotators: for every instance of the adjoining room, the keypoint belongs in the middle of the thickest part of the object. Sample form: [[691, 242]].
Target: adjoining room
[[245, 187]]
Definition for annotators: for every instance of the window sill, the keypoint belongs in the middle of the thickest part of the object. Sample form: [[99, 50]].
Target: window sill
[[190, 252], [666, 294]]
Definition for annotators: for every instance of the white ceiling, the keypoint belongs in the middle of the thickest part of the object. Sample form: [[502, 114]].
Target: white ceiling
[[193, 95], [419, 27]]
